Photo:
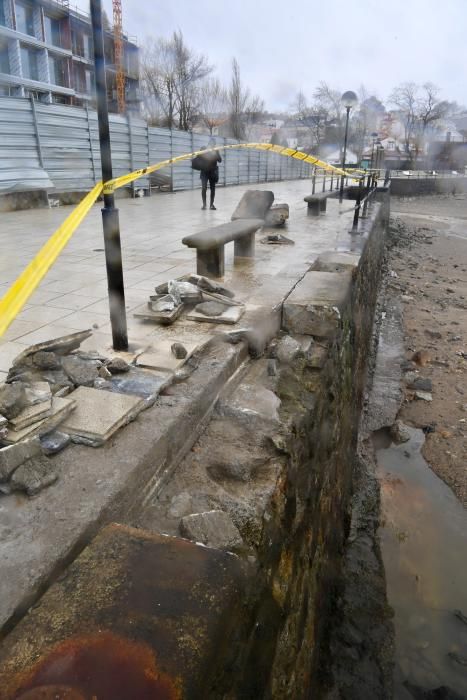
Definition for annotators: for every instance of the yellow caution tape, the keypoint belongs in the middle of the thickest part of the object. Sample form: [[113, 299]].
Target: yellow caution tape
[[117, 182], [20, 291]]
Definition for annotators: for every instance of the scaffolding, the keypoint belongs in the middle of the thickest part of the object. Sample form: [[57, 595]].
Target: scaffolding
[[118, 49]]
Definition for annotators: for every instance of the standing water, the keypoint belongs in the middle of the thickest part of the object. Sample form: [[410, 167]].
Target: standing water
[[424, 546]]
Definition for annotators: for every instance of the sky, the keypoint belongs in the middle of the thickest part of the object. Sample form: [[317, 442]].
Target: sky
[[283, 47]]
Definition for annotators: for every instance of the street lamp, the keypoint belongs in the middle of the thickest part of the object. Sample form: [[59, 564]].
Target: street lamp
[[349, 99]]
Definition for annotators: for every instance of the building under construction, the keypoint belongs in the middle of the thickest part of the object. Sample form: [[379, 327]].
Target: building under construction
[[46, 52]]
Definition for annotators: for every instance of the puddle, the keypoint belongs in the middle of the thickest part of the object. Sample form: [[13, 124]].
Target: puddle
[[424, 546]]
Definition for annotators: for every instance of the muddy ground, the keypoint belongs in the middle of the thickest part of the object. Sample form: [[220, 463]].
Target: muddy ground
[[428, 272]]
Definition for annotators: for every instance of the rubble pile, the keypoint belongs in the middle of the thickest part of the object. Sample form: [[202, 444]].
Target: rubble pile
[[202, 298]]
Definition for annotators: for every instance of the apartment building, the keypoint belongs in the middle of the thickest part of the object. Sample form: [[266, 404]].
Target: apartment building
[[46, 51]]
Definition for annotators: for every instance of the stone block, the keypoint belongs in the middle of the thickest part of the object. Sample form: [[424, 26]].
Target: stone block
[[81, 372], [54, 442], [214, 528], [315, 304], [99, 414], [277, 215], [332, 261], [12, 456], [254, 205], [162, 357], [12, 399], [136, 615]]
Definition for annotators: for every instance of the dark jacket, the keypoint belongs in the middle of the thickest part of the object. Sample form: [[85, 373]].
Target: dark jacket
[[212, 159]]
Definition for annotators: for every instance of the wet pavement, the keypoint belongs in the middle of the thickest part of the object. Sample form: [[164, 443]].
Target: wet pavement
[[73, 295], [424, 545]]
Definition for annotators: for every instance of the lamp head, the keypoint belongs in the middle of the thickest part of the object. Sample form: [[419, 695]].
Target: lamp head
[[349, 99]]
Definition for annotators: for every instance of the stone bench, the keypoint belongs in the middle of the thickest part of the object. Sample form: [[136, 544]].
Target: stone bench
[[210, 244], [317, 202]]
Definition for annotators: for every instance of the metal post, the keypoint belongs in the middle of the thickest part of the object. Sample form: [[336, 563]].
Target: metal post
[[93, 163], [130, 143], [314, 181], [357, 206], [112, 244], [36, 131], [332, 182], [341, 194], [148, 136], [324, 182]]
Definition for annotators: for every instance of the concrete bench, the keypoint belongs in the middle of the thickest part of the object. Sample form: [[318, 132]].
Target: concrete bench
[[210, 244], [317, 202]]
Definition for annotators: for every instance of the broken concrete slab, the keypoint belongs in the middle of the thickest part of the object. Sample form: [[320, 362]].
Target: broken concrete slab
[[99, 414], [61, 409], [162, 358], [210, 308], [81, 372], [117, 365], [165, 318], [61, 346], [288, 350], [333, 261], [254, 205], [254, 405], [37, 392], [314, 306], [213, 528], [13, 456], [138, 382], [45, 359], [31, 415], [231, 315], [33, 475], [54, 442], [277, 215], [186, 598], [12, 399]]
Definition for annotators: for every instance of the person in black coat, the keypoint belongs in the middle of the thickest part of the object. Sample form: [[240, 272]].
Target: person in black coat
[[210, 173]]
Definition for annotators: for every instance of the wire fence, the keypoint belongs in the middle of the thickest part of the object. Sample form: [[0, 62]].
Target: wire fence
[[56, 147]]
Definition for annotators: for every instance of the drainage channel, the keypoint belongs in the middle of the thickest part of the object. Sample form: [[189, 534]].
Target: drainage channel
[[424, 545]]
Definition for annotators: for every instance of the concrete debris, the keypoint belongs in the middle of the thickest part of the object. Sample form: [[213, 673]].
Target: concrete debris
[[3, 427], [32, 414], [33, 476], [277, 239], [254, 205], [58, 380], [277, 215], [117, 365], [420, 384], [256, 340], [81, 372], [12, 399], [288, 350], [37, 393], [213, 528], [229, 314], [54, 442], [272, 368], [208, 285], [210, 308], [45, 360], [399, 432], [179, 351], [423, 396], [184, 291], [104, 373], [164, 303], [138, 383], [61, 346], [12, 456], [61, 408]]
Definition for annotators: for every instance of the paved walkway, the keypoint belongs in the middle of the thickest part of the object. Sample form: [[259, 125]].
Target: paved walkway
[[73, 296]]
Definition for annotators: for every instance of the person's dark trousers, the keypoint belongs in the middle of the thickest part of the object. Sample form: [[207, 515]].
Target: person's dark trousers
[[205, 178]]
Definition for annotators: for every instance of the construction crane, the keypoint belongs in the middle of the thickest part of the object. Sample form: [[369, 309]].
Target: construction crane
[[118, 50]]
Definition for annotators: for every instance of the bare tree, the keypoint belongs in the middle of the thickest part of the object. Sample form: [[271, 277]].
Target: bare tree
[[404, 98], [244, 109], [170, 74], [212, 103]]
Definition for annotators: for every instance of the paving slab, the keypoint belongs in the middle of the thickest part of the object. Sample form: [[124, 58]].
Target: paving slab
[[61, 409], [99, 414], [231, 315], [136, 616], [314, 306], [31, 415]]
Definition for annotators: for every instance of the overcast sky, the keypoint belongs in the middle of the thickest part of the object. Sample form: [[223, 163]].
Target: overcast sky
[[286, 46]]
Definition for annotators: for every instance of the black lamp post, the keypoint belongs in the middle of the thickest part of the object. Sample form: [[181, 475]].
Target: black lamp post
[[112, 245], [349, 99]]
